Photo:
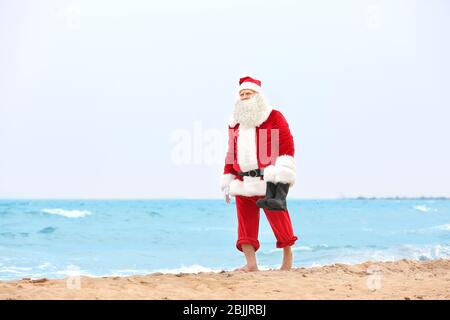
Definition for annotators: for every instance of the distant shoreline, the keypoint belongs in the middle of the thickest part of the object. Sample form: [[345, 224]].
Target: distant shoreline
[[399, 198], [215, 199], [376, 198]]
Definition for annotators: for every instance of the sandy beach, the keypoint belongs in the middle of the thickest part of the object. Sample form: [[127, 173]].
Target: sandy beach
[[403, 279]]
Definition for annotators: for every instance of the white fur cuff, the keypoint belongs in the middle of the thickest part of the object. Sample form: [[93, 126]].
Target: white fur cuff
[[285, 175], [270, 173], [285, 161], [283, 171], [225, 180]]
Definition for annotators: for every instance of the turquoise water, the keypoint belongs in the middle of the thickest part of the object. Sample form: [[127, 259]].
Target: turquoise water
[[53, 238]]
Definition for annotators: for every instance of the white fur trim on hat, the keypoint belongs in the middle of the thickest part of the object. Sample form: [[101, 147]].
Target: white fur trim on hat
[[249, 85]]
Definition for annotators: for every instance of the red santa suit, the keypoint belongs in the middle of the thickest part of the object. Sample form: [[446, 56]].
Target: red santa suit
[[263, 142]]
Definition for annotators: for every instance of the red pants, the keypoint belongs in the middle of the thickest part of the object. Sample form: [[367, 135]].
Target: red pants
[[248, 223]]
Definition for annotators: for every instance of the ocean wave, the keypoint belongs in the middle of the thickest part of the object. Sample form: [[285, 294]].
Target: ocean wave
[[423, 208], [303, 249], [192, 269], [445, 227], [433, 229], [414, 252], [195, 268], [72, 270], [47, 230], [344, 255], [68, 213], [294, 248], [359, 255], [44, 265], [208, 229], [13, 235], [441, 227], [15, 270]]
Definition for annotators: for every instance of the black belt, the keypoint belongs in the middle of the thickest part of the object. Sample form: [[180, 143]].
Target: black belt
[[252, 173]]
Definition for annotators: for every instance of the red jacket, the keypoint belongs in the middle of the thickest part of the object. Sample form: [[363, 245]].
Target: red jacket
[[269, 145]]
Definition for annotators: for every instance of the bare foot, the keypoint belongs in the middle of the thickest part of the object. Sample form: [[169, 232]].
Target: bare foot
[[247, 268], [286, 267], [287, 260]]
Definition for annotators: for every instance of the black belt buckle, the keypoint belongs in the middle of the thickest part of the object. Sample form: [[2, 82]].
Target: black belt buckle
[[253, 173]]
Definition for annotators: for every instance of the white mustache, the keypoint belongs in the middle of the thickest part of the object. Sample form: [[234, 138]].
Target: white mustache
[[249, 112]]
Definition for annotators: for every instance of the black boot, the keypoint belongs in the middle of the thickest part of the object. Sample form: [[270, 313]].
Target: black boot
[[270, 193], [278, 202]]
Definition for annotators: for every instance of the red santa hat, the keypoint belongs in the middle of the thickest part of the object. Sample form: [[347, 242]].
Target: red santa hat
[[249, 83]]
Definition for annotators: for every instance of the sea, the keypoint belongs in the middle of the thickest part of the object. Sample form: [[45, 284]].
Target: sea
[[59, 238]]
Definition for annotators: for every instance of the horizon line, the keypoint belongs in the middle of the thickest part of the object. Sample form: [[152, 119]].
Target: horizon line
[[220, 198]]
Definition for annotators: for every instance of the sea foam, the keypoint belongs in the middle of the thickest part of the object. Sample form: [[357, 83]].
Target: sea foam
[[68, 213], [423, 208]]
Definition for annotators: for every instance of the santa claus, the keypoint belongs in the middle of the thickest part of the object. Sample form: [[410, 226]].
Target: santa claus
[[259, 170]]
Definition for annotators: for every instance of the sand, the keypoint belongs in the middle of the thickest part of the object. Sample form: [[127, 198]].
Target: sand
[[404, 279]]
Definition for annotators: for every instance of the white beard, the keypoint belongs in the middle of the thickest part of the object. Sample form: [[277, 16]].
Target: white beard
[[251, 112]]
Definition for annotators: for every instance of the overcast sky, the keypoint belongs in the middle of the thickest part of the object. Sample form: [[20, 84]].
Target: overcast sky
[[130, 99]]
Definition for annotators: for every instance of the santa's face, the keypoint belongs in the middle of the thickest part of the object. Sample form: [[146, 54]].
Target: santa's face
[[246, 94], [250, 111]]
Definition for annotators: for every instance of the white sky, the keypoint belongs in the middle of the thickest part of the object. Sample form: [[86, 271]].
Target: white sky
[[92, 94]]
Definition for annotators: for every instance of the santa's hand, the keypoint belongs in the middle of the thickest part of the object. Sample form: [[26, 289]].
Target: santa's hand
[[227, 195], [227, 198], [225, 181]]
